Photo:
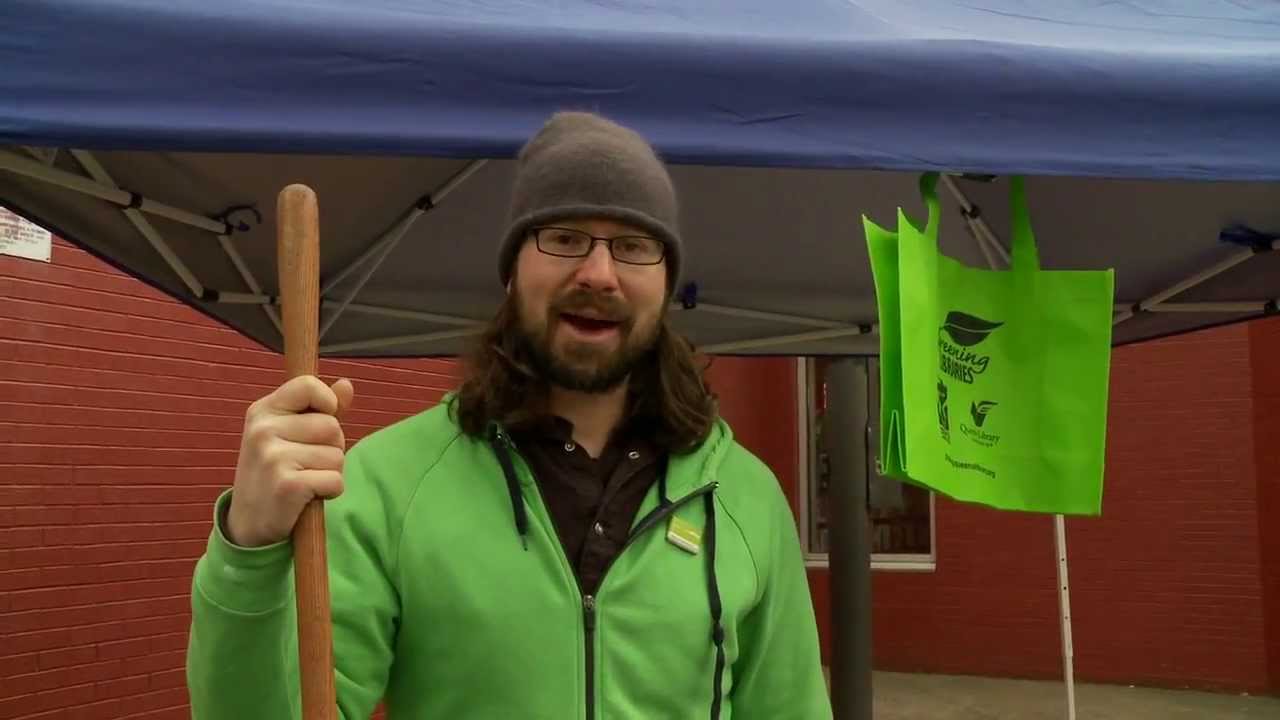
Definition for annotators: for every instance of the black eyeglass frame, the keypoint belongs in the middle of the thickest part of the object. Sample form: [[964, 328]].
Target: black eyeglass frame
[[536, 234]]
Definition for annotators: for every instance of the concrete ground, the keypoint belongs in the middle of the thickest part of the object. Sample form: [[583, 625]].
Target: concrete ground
[[943, 697]]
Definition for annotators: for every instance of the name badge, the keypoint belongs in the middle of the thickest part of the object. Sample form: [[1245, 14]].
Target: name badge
[[684, 535]]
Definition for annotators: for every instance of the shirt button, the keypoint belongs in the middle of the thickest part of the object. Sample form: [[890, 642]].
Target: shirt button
[[633, 455], [569, 447], [598, 529]]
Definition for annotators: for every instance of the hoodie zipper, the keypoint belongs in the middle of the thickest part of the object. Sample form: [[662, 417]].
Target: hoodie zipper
[[661, 513], [647, 523]]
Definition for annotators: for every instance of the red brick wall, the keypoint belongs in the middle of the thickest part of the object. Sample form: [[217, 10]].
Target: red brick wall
[[120, 412], [1165, 586], [1265, 344], [758, 400]]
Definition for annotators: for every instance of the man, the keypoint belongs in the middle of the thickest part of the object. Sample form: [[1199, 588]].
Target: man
[[574, 533]]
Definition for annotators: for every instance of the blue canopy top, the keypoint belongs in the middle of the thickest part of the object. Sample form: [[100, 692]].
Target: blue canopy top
[[1150, 89]]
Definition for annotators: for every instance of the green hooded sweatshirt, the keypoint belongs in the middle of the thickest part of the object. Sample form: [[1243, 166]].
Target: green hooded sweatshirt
[[452, 597]]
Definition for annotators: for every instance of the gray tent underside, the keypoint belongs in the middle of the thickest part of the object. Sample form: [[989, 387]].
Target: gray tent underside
[[778, 255]]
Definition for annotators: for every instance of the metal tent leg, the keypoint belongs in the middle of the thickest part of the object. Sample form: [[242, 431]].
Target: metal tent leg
[[845, 435], [1064, 609]]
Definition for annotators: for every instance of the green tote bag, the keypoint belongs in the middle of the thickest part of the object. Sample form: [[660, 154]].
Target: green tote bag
[[993, 382]]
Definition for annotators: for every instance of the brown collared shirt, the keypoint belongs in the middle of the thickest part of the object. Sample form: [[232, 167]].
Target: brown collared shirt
[[593, 502]]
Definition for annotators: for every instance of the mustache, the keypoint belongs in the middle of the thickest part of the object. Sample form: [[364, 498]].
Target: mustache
[[607, 307]]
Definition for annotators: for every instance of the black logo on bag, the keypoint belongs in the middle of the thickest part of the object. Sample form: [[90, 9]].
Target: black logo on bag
[[959, 332], [979, 411], [944, 418]]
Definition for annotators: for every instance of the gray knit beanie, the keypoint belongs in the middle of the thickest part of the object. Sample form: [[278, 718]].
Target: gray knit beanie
[[582, 165]]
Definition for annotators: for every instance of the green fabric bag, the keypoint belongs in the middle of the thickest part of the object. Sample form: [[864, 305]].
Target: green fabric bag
[[993, 382]]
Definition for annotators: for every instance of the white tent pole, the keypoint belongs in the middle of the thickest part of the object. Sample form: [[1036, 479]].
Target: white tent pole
[[406, 314], [230, 249], [1064, 606], [387, 245], [1153, 303], [400, 340], [239, 298], [979, 241], [1124, 312], [35, 169], [397, 231], [45, 155], [236, 298], [976, 221], [95, 170], [393, 238], [762, 315], [141, 224], [1059, 524], [1213, 307], [1213, 270], [734, 346], [390, 237]]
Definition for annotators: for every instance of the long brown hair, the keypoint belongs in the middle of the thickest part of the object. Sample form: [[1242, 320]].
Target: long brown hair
[[667, 388]]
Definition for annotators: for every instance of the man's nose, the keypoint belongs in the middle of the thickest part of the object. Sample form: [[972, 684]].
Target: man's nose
[[597, 270]]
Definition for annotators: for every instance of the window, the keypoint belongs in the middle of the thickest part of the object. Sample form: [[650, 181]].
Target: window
[[901, 515]]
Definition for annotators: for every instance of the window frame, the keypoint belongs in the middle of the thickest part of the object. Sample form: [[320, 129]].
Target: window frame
[[805, 444]]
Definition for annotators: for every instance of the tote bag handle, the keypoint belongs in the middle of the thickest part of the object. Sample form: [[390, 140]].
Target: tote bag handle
[[1025, 258]]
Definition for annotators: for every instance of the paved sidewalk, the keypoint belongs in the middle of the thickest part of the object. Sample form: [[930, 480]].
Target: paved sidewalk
[[944, 697]]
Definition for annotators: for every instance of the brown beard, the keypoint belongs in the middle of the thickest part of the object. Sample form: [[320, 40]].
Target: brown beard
[[500, 385], [584, 368]]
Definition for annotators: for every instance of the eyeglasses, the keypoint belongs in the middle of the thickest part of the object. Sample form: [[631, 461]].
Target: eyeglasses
[[570, 243]]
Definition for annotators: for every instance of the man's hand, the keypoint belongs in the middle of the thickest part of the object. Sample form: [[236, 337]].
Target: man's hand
[[291, 451]]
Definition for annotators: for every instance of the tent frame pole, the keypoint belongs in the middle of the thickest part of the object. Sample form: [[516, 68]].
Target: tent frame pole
[[37, 170], [846, 439], [775, 341], [1216, 307], [141, 224], [400, 340], [730, 311], [229, 249], [387, 243], [1059, 523], [133, 205], [1154, 303], [1064, 605], [259, 298]]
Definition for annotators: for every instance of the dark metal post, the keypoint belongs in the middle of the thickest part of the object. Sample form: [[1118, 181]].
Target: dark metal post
[[845, 433]]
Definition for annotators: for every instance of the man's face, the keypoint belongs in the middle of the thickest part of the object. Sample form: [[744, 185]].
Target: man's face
[[587, 320]]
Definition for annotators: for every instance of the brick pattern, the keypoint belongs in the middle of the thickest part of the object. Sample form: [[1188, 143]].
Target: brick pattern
[[120, 413], [1265, 346], [1165, 586]]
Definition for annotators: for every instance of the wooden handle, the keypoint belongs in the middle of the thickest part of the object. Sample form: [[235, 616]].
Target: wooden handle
[[298, 248]]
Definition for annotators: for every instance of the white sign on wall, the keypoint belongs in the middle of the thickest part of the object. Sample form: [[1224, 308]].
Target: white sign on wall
[[24, 239]]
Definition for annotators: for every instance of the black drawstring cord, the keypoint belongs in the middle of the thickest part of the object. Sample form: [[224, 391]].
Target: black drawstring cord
[[663, 500], [513, 487], [713, 589]]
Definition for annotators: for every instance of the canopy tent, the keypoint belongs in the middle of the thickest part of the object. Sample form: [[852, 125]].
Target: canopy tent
[[1148, 130], [157, 135]]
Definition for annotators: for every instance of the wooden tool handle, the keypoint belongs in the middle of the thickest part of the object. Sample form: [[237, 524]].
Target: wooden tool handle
[[298, 248]]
